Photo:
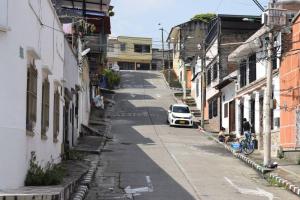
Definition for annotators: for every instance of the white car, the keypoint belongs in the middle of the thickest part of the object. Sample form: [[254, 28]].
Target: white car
[[180, 115]]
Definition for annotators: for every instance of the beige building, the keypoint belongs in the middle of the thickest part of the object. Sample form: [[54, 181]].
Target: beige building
[[130, 53]]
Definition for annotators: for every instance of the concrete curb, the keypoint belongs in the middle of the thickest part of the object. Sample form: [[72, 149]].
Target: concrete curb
[[287, 184], [86, 181], [85, 184], [262, 170], [240, 156]]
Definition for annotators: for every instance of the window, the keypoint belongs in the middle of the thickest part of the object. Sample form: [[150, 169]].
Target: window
[[243, 70], [213, 108], [123, 47], [45, 107], [208, 76], [140, 48], [56, 116], [215, 71], [3, 13], [31, 96], [252, 68], [225, 110]]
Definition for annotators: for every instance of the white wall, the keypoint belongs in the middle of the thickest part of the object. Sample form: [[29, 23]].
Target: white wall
[[71, 78], [194, 83], [27, 33], [211, 54], [229, 93]]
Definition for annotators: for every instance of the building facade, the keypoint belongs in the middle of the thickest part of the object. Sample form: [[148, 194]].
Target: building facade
[[31, 118], [130, 53], [185, 39], [157, 59], [289, 92], [223, 34]]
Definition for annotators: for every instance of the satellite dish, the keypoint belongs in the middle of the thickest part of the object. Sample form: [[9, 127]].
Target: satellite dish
[[85, 52]]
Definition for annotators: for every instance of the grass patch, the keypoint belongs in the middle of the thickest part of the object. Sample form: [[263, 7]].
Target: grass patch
[[174, 82], [273, 182]]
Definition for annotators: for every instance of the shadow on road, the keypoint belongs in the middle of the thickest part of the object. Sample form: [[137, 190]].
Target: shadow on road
[[136, 151]]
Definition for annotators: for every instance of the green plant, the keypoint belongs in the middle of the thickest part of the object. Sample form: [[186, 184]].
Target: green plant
[[204, 17], [36, 175], [280, 154], [113, 78]]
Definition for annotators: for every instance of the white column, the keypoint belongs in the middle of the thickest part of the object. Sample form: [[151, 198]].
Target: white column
[[238, 117], [247, 107], [257, 113]]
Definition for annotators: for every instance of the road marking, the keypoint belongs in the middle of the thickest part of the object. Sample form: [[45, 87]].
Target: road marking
[[133, 95], [158, 95], [131, 192], [257, 192]]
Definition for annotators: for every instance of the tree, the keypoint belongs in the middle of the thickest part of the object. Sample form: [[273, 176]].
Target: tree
[[204, 17]]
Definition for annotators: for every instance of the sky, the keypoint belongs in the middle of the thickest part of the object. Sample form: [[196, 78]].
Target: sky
[[141, 17]]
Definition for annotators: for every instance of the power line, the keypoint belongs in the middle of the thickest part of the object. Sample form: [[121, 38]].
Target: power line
[[259, 5]]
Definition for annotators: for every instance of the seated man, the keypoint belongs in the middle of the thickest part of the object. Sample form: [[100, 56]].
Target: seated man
[[222, 136]]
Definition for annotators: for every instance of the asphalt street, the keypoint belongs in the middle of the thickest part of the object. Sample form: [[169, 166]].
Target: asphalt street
[[149, 160]]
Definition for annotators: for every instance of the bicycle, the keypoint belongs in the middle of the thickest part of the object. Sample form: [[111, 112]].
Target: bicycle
[[247, 144]]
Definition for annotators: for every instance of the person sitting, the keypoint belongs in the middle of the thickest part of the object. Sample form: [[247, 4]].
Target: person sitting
[[222, 136], [246, 128]]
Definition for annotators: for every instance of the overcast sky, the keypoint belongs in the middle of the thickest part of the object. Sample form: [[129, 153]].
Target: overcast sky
[[141, 17]]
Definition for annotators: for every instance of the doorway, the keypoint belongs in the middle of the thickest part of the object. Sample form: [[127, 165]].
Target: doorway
[[231, 116]]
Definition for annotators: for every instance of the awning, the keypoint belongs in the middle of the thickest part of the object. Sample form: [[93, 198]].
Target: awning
[[251, 45], [225, 82]]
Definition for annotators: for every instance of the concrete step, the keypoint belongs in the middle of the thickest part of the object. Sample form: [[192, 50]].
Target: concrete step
[[191, 104]]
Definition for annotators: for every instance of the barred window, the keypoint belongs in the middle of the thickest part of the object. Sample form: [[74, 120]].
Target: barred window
[[45, 107], [56, 116], [215, 71], [209, 76], [31, 99]]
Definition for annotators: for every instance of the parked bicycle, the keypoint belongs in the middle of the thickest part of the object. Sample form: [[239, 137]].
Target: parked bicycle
[[247, 145]]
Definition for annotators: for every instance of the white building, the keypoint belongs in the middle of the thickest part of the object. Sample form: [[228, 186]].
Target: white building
[[32, 64], [196, 91], [251, 83]]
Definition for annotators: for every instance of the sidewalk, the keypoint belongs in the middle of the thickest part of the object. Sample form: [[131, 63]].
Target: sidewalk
[[287, 174]]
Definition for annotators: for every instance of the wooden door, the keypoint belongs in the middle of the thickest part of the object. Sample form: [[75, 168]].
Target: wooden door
[[232, 116]]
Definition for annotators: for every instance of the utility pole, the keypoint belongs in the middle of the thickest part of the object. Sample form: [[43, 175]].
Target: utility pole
[[203, 82], [268, 97], [163, 47], [169, 65]]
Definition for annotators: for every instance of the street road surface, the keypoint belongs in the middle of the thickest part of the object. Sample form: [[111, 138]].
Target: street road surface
[[152, 161]]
